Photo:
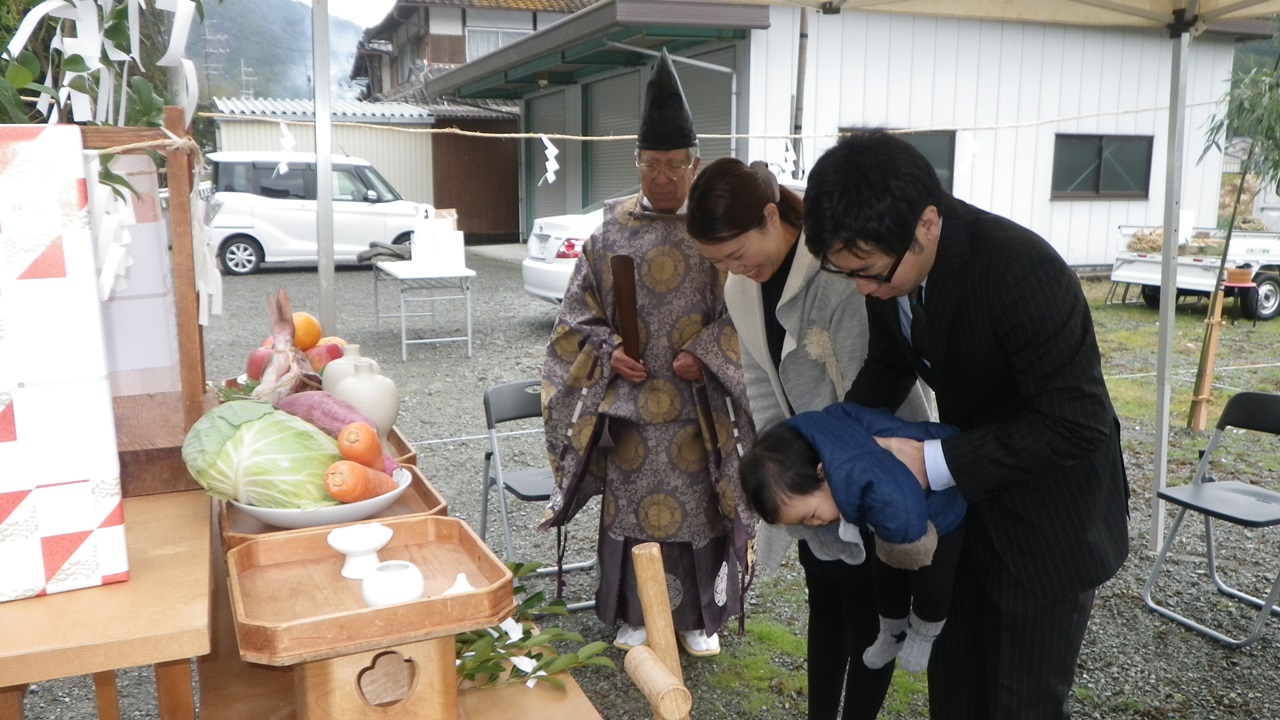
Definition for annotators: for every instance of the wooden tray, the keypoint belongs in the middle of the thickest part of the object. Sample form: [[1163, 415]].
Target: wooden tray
[[292, 605], [421, 498], [400, 449]]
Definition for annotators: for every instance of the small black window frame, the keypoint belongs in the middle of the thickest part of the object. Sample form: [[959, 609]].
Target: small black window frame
[[946, 175], [1098, 193]]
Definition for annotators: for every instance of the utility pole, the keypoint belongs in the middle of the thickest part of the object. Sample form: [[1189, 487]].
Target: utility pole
[[246, 78], [214, 46]]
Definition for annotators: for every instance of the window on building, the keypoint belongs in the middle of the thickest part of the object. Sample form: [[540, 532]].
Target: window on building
[[482, 41], [404, 66], [1105, 166], [940, 148]]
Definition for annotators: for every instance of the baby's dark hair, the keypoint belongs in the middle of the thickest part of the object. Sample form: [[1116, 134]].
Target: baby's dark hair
[[782, 464]]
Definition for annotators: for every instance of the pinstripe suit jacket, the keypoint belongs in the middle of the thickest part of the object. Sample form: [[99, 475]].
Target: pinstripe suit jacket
[[1015, 365]]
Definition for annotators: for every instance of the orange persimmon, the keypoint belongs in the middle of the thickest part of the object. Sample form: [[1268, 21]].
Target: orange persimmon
[[348, 481], [359, 441], [306, 331]]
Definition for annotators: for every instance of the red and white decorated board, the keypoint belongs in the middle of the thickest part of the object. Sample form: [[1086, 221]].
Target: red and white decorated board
[[61, 525]]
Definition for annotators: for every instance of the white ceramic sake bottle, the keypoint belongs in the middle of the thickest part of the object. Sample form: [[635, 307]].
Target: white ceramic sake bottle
[[373, 394], [342, 368]]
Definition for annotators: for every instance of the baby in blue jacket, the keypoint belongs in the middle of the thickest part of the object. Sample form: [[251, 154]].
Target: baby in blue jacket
[[825, 466]]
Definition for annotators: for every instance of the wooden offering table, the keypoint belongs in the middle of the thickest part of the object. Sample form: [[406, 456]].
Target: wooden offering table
[[232, 689], [292, 607], [159, 617]]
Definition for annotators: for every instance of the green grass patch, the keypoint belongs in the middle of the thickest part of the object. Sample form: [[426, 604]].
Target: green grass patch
[[766, 665], [908, 695], [769, 664]]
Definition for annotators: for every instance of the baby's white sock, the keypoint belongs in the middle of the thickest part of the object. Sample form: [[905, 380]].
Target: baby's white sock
[[914, 656], [892, 632]]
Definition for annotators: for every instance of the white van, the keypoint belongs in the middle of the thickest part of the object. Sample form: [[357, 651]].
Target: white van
[[263, 209]]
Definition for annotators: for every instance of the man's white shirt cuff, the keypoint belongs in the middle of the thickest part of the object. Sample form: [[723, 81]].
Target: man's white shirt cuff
[[935, 466]]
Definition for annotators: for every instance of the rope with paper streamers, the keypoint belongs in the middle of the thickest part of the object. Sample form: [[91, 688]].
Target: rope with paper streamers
[[715, 136]]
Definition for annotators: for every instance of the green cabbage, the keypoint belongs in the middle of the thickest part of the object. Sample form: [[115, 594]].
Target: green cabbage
[[250, 452]]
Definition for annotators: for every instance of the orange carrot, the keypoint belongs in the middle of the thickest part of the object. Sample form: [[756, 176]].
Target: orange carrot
[[348, 481], [359, 442]]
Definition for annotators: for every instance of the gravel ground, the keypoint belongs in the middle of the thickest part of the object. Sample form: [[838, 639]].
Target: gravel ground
[[1134, 664]]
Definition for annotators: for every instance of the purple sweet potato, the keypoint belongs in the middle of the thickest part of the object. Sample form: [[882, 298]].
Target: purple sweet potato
[[323, 410], [330, 414]]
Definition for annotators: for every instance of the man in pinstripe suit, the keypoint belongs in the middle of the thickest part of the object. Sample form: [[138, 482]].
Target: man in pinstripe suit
[[1004, 337]]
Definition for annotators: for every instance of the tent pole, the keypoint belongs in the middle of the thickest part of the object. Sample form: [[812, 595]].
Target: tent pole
[[1169, 260], [324, 163]]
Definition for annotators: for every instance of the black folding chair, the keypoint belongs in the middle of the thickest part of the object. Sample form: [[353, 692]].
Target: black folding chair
[[503, 403], [1232, 501]]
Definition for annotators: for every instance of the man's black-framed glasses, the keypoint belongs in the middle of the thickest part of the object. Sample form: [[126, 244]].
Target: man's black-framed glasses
[[672, 170], [884, 277]]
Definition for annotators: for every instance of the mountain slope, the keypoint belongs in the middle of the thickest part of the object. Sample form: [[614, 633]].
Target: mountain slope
[[262, 48]]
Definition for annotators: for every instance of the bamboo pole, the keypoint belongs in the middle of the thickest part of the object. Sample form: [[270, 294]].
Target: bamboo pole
[[651, 583], [1202, 394], [659, 686], [668, 698]]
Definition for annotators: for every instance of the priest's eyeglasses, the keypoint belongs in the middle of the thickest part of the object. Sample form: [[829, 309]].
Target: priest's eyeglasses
[[672, 170], [882, 278]]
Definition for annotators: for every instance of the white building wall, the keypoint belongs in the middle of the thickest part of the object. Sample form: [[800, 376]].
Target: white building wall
[[772, 63], [402, 157], [1008, 89]]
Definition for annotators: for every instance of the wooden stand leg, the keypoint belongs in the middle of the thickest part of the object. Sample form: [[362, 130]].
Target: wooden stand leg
[[104, 690], [423, 687], [173, 690], [11, 702]]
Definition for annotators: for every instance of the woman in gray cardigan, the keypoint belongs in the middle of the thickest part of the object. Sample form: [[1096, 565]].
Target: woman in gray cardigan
[[803, 337]]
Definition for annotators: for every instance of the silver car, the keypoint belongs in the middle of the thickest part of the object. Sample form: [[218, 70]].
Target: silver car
[[552, 251]]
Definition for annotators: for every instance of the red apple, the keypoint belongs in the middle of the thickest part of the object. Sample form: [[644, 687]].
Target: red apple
[[268, 341], [320, 355], [258, 360]]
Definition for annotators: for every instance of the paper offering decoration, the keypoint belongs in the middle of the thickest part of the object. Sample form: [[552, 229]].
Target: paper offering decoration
[[61, 524]]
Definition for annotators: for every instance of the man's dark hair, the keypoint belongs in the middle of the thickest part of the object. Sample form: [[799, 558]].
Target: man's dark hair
[[867, 194], [781, 464]]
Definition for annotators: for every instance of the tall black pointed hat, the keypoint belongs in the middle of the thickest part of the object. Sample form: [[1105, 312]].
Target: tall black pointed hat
[[666, 123]]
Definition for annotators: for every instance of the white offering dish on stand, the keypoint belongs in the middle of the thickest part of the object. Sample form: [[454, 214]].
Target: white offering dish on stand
[[360, 543]]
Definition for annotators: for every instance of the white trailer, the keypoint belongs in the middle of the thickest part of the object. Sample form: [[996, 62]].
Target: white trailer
[[1198, 273]]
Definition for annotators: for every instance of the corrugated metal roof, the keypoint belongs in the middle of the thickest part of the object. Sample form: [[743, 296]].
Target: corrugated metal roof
[[479, 109], [398, 113]]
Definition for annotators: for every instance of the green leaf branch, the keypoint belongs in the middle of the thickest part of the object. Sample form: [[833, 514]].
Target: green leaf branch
[[494, 656]]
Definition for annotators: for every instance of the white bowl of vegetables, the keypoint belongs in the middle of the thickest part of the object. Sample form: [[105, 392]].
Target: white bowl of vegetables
[[277, 463], [293, 518]]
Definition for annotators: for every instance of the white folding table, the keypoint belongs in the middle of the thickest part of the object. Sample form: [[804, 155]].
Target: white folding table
[[423, 281]]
